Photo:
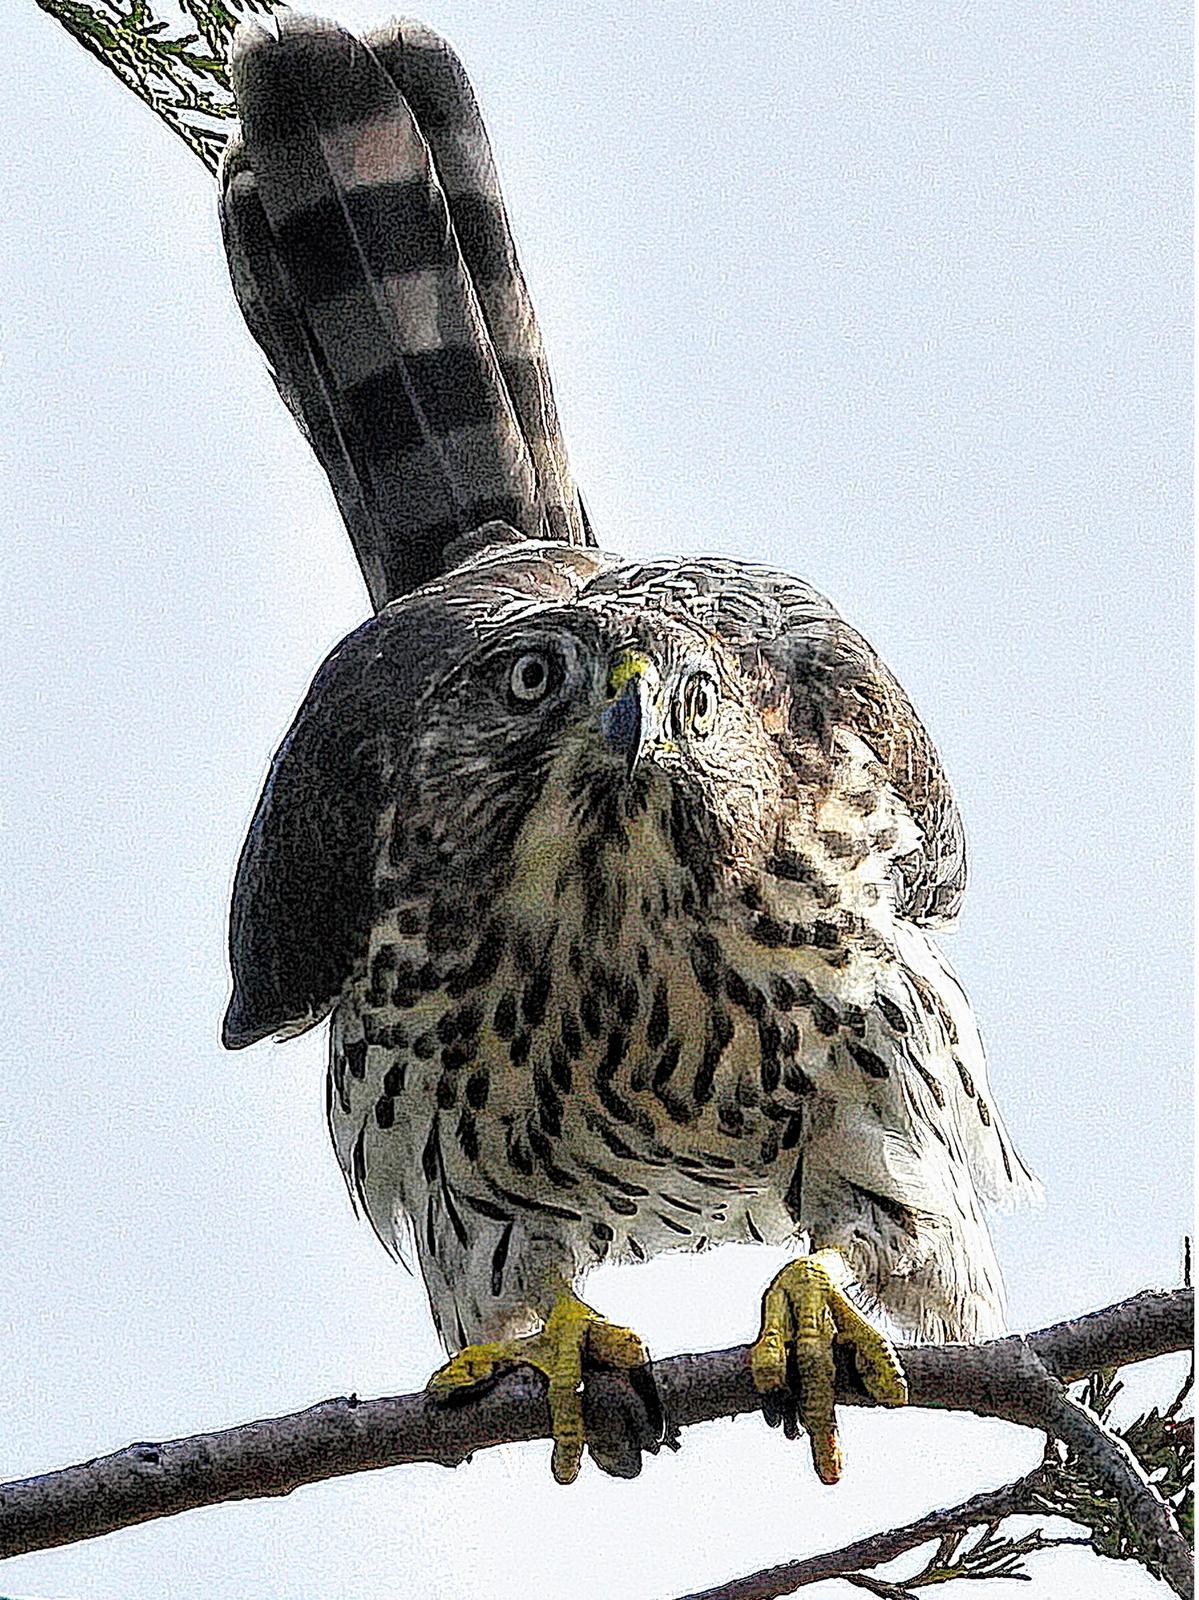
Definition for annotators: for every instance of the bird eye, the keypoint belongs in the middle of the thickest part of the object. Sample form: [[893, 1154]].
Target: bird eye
[[699, 703], [529, 679]]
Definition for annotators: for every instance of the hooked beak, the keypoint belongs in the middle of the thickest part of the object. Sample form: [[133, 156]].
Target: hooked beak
[[629, 722]]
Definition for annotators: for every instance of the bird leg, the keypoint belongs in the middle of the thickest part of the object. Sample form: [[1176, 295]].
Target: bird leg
[[573, 1337], [805, 1312]]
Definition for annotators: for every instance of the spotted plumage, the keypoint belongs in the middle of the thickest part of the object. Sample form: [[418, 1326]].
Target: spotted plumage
[[615, 879]]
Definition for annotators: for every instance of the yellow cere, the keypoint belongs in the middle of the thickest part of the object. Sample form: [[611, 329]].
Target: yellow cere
[[628, 665]]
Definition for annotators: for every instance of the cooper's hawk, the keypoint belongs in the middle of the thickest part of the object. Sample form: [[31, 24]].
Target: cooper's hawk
[[615, 878]]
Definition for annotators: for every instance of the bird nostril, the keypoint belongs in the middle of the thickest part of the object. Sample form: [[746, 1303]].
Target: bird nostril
[[627, 666]]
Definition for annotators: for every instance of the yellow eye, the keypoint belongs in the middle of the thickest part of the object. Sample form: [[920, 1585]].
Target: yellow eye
[[699, 703]]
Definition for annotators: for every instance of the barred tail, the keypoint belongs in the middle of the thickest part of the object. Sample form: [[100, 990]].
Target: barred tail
[[434, 82], [370, 253]]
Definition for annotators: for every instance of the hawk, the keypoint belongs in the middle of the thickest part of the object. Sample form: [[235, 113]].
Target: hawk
[[617, 880]]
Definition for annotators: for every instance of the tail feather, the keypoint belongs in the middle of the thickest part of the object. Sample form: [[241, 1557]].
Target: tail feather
[[349, 269], [434, 82], [276, 318]]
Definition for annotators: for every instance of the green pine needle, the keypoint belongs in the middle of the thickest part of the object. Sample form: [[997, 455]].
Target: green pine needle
[[175, 63]]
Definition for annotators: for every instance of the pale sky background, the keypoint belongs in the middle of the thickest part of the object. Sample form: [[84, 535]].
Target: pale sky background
[[893, 294]]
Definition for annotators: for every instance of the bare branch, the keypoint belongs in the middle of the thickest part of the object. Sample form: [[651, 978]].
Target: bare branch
[[878, 1586], [1025, 1497], [1015, 1499], [276, 1456]]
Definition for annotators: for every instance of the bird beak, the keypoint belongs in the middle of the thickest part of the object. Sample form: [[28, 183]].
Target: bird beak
[[629, 722]]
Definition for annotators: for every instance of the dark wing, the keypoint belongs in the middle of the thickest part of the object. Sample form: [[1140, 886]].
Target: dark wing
[[304, 894], [837, 680], [371, 256]]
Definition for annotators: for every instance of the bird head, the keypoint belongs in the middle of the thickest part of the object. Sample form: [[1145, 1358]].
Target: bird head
[[587, 729]]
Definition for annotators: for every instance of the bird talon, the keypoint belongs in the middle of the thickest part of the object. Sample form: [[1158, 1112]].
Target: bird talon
[[804, 1313], [574, 1336]]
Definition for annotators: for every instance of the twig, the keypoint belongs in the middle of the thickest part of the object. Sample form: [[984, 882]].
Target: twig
[[346, 1435], [1015, 1499], [878, 1586]]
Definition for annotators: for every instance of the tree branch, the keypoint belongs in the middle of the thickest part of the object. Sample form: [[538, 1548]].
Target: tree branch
[[1111, 1465], [1043, 1363], [274, 1457], [1015, 1499]]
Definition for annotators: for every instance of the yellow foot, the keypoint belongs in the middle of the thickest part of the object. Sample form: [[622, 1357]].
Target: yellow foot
[[574, 1336], [804, 1312]]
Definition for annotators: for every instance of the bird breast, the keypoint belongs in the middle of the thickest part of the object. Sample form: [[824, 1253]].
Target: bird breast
[[604, 1040]]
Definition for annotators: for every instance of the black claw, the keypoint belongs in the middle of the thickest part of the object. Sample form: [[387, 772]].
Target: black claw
[[848, 1376], [624, 1420], [780, 1407], [614, 1423], [661, 1428], [613, 1452]]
